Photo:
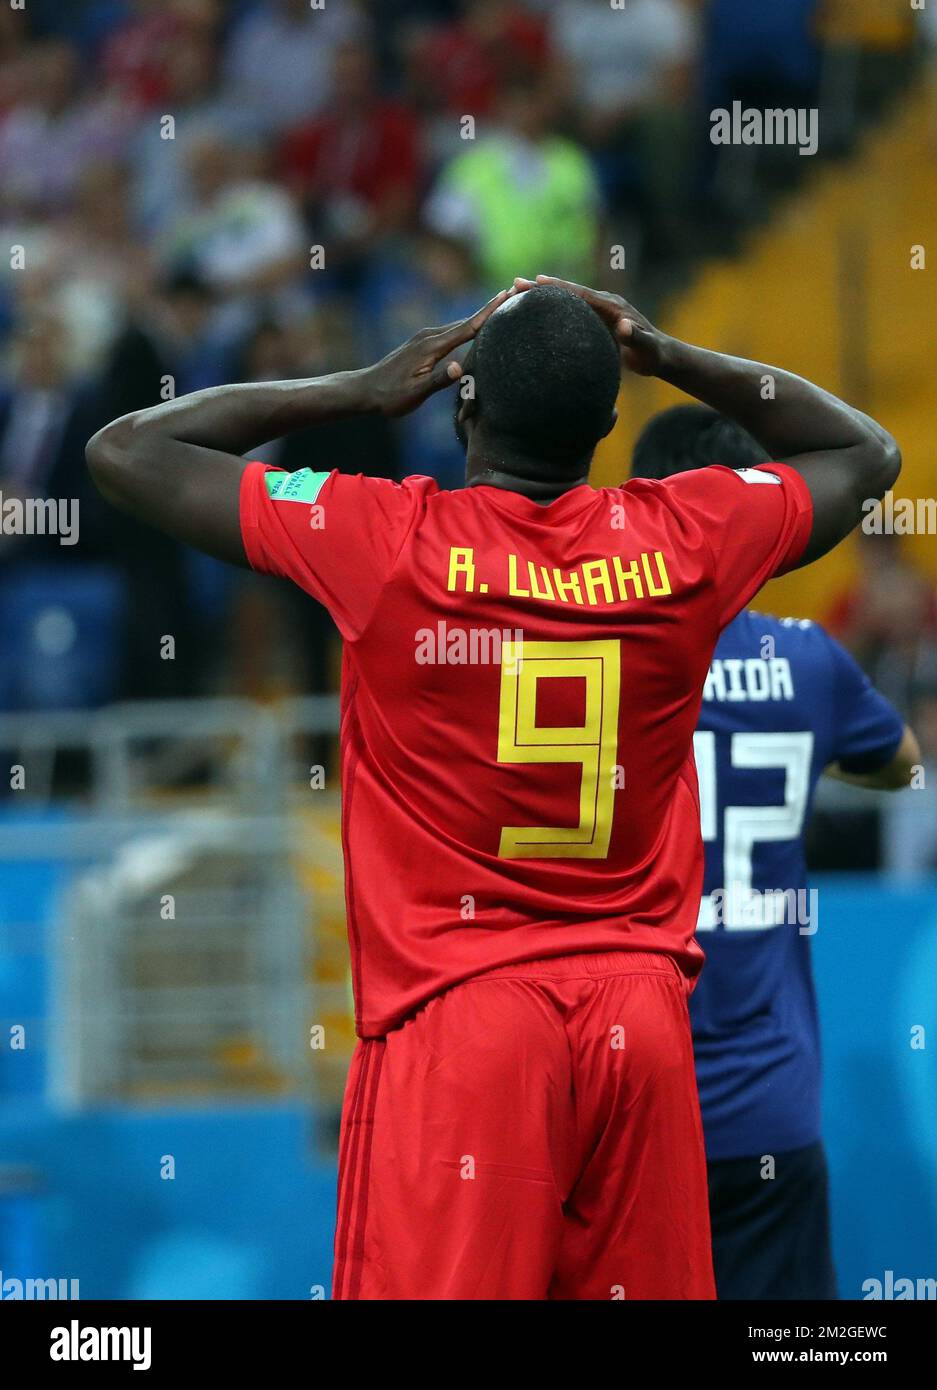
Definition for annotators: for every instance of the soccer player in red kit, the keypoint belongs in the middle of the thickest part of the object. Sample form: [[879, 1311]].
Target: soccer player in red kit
[[523, 668]]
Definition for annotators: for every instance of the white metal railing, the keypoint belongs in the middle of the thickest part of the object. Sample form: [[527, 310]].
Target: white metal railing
[[181, 942]]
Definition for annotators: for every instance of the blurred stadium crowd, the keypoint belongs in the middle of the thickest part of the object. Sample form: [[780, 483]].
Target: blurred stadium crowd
[[206, 191]]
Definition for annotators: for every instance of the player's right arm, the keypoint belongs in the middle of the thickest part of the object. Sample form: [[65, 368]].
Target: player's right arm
[[845, 458], [178, 466], [893, 776], [872, 745]]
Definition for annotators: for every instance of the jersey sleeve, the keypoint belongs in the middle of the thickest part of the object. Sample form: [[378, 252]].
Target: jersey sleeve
[[756, 522], [336, 535], [868, 728]]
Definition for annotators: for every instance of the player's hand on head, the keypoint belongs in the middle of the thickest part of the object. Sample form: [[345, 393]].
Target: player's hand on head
[[403, 379], [641, 344]]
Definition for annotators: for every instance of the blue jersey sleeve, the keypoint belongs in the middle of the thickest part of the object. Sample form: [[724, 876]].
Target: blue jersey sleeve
[[868, 727]]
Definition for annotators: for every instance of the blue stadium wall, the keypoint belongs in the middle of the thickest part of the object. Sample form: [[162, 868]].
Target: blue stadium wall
[[249, 1212]]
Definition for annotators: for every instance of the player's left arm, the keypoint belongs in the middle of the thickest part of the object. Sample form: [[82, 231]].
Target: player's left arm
[[844, 458], [873, 746], [177, 466]]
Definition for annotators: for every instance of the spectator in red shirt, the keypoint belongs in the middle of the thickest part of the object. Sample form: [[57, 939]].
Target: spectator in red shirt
[[137, 55], [460, 68], [356, 166]]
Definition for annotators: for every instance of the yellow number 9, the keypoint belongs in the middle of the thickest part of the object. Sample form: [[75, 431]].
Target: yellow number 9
[[594, 745]]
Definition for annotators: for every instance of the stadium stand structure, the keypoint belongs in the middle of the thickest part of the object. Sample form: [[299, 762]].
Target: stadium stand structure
[[819, 291]]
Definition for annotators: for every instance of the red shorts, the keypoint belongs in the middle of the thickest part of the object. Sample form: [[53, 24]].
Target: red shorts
[[532, 1133]]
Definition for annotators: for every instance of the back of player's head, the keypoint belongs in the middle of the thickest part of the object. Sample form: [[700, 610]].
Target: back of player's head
[[692, 436], [546, 373]]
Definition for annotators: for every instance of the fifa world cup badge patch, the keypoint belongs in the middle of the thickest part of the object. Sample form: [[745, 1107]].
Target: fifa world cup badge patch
[[751, 475], [301, 486]]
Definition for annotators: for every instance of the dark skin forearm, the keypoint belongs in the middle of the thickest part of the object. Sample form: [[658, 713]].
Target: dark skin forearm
[[241, 417], [845, 458], [796, 418], [177, 466]]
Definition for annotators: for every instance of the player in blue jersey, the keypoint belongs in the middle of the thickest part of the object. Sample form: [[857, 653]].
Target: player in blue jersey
[[783, 704]]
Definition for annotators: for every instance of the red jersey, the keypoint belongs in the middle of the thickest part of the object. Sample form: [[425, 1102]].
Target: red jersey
[[520, 688]]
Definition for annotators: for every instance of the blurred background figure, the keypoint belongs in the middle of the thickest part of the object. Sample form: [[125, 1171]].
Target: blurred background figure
[[520, 192], [910, 824], [194, 103], [195, 191], [436, 281], [356, 166], [41, 447], [888, 619], [462, 67], [59, 599], [629, 75], [239, 231], [296, 42], [61, 126]]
